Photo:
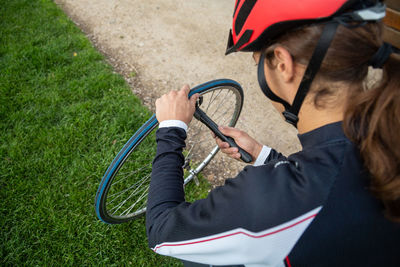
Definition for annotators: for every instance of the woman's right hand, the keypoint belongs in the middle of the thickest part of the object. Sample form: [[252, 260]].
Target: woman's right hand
[[242, 139]]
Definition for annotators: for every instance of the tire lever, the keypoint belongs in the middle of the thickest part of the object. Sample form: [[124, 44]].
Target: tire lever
[[202, 116]]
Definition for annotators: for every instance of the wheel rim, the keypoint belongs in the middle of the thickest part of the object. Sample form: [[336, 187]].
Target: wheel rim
[[126, 196]]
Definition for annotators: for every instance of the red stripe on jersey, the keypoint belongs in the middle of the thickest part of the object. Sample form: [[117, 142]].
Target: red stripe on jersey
[[220, 237], [288, 262]]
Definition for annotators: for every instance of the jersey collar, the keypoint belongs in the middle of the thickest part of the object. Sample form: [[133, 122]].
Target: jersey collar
[[329, 133]]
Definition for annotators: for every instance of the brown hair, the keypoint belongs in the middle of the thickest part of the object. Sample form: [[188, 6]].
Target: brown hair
[[372, 115]]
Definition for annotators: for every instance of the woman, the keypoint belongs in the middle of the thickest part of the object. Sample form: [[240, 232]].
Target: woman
[[336, 202]]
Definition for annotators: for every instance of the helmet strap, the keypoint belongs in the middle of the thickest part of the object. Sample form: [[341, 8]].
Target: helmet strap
[[262, 81], [291, 111]]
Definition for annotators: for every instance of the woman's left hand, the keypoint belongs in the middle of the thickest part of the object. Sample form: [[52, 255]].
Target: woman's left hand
[[175, 105]]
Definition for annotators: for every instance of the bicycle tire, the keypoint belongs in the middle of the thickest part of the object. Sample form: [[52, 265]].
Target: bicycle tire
[[109, 213]]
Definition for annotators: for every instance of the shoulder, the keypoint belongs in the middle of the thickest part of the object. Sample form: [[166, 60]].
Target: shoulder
[[321, 163], [291, 187]]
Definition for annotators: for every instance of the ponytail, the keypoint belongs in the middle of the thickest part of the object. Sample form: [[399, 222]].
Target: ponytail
[[372, 121]]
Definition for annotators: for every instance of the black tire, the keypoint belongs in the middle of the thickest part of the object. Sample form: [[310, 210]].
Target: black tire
[[122, 193]]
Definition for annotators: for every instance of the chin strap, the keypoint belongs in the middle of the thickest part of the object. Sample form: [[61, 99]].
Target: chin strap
[[314, 65], [291, 111], [262, 81]]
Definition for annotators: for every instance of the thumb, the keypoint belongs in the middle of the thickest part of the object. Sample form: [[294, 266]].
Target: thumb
[[185, 89], [194, 98], [229, 131]]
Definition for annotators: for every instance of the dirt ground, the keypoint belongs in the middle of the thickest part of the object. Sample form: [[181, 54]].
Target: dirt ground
[[160, 45]]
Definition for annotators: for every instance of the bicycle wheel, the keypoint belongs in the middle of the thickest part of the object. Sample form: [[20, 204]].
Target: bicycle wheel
[[122, 194]]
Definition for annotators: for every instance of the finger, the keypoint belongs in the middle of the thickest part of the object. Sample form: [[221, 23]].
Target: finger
[[172, 92], [236, 156], [159, 101], [230, 131], [213, 134], [222, 144], [185, 89], [194, 98], [231, 150], [169, 96], [225, 145]]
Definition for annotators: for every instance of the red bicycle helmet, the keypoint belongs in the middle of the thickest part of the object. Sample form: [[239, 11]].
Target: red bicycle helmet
[[257, 23]]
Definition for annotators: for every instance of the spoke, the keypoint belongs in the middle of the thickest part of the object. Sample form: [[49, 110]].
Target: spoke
[[129, 209], [189, 153], [222, 114], [129, 174], [228, 118], [209, 103], [117, 194], [196, 134], [217, 106], [141, 159], [198, 140], [116, 208], [212, 100], [132, 194]]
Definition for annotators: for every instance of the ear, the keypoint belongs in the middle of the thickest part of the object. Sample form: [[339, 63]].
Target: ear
[[284, 64]]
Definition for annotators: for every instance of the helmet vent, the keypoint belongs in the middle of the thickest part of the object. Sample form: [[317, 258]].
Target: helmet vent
[[236, 6], [244, 12]]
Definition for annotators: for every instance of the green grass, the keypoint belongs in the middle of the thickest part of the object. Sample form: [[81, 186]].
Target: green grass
[[64, 115]]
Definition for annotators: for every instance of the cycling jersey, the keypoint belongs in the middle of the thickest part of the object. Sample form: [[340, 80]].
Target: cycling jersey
[[312, 208]]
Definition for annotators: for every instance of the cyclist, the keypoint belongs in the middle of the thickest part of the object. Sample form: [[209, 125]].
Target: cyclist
[[334, 203]]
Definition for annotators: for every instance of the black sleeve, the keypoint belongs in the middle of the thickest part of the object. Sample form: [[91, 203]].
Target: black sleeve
[[274, 155], [256, 217], [166, 186]]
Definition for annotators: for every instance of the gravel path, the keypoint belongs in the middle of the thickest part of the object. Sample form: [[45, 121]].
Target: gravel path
[[160, 45]]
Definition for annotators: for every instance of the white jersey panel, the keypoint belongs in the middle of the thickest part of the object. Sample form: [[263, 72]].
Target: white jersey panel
[[240, 246]]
